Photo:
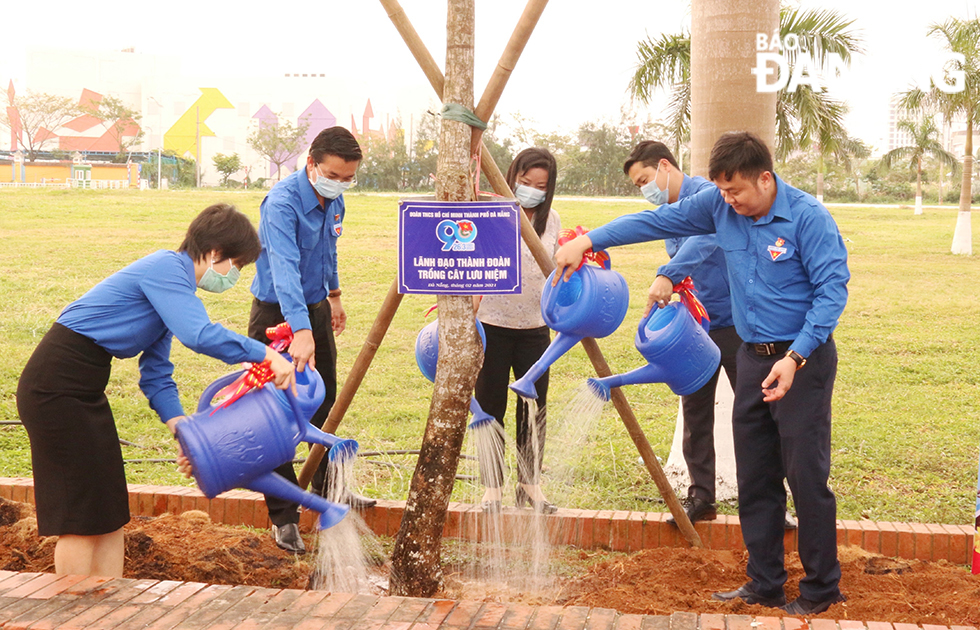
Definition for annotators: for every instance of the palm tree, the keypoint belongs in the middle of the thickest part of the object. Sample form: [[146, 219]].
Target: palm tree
[[963, 37], [803, 116], [923, 144]]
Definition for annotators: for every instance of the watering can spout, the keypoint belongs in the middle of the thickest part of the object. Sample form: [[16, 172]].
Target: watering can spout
[[480, 417], [649, 373], [562, 343], [275, 485]]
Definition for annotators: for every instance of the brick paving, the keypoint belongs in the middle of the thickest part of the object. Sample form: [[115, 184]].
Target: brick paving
[[45, 601]]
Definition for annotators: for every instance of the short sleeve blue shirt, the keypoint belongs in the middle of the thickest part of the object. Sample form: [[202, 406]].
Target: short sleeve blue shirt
[[787, 271], [298, 263]]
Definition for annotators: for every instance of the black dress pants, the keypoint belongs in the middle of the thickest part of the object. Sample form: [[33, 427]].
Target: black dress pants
[[514, 349], [265, 315], [699, 418], [788, 438]]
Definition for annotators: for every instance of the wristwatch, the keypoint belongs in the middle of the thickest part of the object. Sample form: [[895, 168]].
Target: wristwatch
[[334, 293], [796, 356]]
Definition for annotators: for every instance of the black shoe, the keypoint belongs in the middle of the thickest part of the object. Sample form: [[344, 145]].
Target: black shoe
[[491, 507], [749, 596], [357, 501], [697, 510], [804, 606], [541, 507], [287, 538]]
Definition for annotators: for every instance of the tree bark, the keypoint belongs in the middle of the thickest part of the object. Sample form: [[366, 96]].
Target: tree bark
[[918, 186], [723, 90], [416, 561], [963, 234]]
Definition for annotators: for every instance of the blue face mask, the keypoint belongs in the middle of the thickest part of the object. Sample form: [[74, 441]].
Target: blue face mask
[[328, 188], [653, 193], [214, 282], [529, 197]]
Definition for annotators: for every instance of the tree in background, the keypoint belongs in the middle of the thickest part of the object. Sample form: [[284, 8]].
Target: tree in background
[[40, 115], [804, 117], [227, 165], [962, 37], [385, 163], [923, 143], [278, 143], [121, 121]]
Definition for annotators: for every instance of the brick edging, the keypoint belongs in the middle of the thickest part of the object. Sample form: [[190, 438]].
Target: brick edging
[[587, 529]]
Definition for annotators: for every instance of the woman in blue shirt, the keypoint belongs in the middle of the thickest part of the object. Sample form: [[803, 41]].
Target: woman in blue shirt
[[79, 482]]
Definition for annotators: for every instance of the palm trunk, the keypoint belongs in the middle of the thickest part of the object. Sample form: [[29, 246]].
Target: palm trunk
[[918, 186], [723, 91], [416, 561], [962, 235]]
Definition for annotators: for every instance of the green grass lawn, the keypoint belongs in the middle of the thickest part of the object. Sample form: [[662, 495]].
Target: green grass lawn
[[905, 410]]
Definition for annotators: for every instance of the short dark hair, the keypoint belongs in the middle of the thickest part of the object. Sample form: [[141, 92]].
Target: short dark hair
[[527, 159], [739, 153], [649, 153], [223, 228], [335, 141]]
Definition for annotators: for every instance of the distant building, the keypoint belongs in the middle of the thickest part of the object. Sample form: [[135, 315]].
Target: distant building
[[194, 117]]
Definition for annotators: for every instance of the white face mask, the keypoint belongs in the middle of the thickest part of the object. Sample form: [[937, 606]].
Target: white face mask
[[328, 188], [653, 193], [529, 197]]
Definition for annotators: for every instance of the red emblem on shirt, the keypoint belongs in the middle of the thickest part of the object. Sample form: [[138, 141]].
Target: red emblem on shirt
[[777, 250]]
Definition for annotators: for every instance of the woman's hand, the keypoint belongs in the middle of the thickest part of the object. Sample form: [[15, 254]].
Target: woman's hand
[[183, 464], [283, 374]]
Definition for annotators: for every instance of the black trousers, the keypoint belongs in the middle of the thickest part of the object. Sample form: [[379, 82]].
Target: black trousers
[[699, 418], [788, 438], [514, 349], [265, 315]]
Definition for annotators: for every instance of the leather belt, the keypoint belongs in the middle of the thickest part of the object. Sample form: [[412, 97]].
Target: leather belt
[[770, 349]]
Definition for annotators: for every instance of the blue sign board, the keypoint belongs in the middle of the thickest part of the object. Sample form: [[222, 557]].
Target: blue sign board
[[459, 247]]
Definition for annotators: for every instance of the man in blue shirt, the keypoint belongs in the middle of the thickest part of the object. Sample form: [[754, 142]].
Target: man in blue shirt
[[651, 165], [787, 270], [296, 281]]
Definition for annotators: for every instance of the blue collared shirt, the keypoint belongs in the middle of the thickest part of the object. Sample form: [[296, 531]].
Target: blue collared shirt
[[701, 258], [787, 271], [298, 263], [140, 308]]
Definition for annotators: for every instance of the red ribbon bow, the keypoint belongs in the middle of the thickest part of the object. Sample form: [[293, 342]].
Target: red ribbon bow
[[685, 288], [600, 257], [259, 373]]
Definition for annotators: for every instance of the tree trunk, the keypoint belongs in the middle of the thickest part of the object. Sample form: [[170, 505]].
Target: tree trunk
[[723, 90], [918, 186], [416, 563], [962, 235]]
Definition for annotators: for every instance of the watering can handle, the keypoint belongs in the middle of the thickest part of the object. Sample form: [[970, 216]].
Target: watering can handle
[[549, 308], [641, 330], [216, 386]]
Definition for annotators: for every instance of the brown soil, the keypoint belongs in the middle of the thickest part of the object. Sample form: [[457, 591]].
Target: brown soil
[[658, 582]]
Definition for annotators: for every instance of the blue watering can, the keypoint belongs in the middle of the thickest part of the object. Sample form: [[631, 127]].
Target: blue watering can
[[678, 351], [427, 356], [591, 303], [239, 446]]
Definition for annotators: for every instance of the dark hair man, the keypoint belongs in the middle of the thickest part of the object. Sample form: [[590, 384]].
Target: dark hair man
[[787, 270], [652, 167], [296, 281]]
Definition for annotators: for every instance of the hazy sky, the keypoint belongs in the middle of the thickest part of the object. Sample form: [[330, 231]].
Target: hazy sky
[[575, 67]]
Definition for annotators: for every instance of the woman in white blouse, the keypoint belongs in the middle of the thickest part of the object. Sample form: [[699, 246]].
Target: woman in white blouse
[[517, 337]]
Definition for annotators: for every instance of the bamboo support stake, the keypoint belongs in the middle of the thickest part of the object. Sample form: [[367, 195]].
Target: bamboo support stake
[[530, 237], [508, 59], [374, 338]]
